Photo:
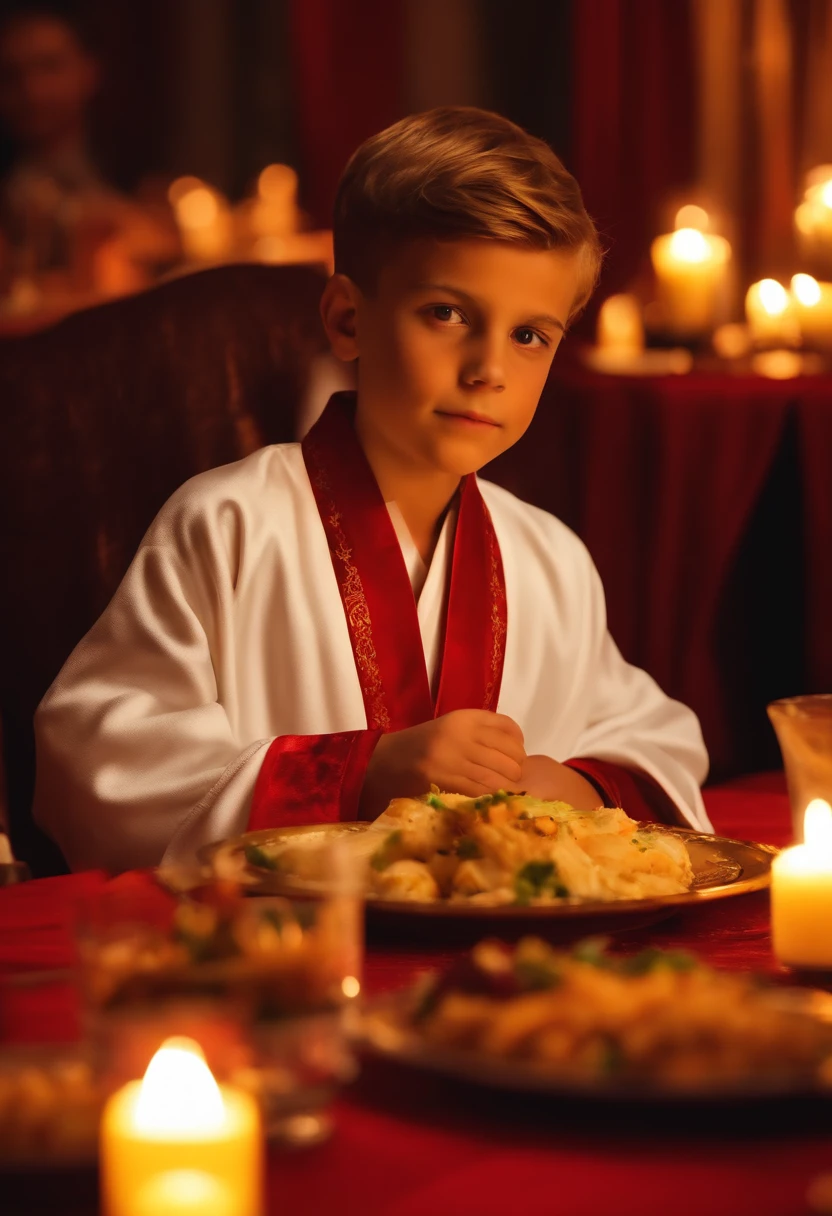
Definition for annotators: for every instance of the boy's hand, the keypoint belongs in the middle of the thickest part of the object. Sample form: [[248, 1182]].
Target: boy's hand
[[546, 778], [469, 751]]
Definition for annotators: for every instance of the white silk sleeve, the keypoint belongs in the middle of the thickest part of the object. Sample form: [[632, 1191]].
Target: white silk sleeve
[[136, 757], [633, 723]]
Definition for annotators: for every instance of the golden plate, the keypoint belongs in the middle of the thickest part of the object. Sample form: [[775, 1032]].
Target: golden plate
[[381, 1028], [721, 868]]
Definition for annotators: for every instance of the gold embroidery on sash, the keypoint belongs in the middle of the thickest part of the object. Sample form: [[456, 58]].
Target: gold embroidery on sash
[[358, 616], [498, 613]]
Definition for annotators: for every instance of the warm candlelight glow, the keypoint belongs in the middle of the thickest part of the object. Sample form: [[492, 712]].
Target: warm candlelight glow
[[182, 186], [178, 1093], [773, 297], [184, 1193], [691, 216], [769, 310], [806, 289], [813, 303], [691, 276], [801, 893], [276, 183], [350, 986], [813, 220], [689, 245], [197, 208], [203, 218], [179, 1144], [817, 826], [620, 327]]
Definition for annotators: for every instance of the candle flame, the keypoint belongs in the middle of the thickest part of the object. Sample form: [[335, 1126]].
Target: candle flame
[[198, 208], [806, 289], [277, 183], [182, 186], [817, 825], [350, 986], [689, 245], [694, 217], [179, 1094], [773, 296]]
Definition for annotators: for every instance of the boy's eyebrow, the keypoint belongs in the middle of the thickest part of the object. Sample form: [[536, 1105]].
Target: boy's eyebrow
[[544, 318]]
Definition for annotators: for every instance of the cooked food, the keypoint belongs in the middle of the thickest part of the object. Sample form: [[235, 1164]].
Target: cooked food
[[275, 957], [501, 849], [49, 1106], [587, 1015]]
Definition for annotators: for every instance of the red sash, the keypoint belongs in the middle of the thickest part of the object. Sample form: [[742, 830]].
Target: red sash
[[377, 595]]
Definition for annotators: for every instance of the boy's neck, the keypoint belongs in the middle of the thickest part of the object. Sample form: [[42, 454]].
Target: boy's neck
[[422, 495]]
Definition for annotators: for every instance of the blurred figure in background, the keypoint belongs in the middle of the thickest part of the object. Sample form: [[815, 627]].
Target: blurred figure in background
[[64, 228]]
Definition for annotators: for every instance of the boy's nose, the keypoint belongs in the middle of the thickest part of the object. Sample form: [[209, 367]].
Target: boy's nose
[[484, 369]]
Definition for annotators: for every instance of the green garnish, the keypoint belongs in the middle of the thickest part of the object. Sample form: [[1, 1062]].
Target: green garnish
[[651, 959], [468, 849], [536, 975], [255, 856], [382, 857], [593, 950], [537, 878], [436, 802]]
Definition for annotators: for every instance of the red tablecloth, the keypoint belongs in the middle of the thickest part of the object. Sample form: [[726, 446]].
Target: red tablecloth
[[407, 1144]]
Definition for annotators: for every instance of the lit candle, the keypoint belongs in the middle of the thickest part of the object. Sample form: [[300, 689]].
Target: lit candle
[[204, 220], [620, 327], [691, 268], [178, 1144], [801, 894], [769, 310], [813, 218], [813, 309]]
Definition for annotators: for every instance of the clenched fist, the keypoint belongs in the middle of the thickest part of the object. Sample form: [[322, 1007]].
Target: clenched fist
[[469, 751]]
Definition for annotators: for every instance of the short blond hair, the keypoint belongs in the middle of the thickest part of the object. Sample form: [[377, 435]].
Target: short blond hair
[[456, 172]]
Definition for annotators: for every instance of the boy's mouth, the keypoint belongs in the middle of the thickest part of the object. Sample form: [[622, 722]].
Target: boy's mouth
[[468, 418]]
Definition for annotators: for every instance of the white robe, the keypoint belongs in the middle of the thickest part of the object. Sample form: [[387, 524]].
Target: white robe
[[228, 630]]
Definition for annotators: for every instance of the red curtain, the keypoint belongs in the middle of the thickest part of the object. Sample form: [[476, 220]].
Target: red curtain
[[633, 120], [348, 83]]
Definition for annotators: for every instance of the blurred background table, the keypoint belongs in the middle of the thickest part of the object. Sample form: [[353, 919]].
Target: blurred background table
[[705, 501]]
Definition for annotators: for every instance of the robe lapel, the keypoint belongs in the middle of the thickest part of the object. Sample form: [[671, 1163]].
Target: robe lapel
[[377, 595]]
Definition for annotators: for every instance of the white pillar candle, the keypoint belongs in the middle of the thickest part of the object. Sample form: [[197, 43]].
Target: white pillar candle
[[691, 270], [178, 1144], [801, 894], [620, 327], [813, 310], [205, 224], [769, 310]]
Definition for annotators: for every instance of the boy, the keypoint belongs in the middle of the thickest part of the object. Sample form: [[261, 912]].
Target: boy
[[320, 627]]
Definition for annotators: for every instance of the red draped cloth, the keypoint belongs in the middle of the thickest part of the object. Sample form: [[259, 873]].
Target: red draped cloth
[[407, 1144]]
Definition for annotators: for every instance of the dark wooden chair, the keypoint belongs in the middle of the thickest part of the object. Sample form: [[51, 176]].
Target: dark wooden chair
[[101, 418]]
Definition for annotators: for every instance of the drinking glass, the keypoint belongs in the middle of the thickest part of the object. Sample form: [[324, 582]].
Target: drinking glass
[[803, 726], [282, 969]]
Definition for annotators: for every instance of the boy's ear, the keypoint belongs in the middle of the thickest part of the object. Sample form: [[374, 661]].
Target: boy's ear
[[339, 306]]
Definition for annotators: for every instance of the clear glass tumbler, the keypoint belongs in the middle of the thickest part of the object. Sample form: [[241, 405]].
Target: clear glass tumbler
[[803, 726]]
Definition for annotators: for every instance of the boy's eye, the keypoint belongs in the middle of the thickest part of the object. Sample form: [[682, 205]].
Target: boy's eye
[[528, 337], [447, 313]]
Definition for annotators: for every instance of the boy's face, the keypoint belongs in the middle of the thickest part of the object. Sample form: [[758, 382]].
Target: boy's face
[[454, 347]]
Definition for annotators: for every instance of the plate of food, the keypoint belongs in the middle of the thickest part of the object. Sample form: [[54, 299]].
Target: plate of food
[[587, 1023], [50, 1105], [521, 858]]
